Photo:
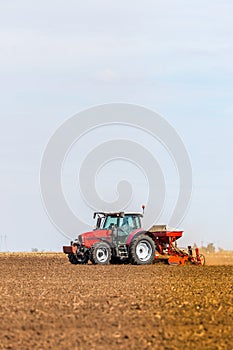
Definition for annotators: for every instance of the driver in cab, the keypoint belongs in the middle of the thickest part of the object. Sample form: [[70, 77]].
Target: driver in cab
[[125, 225]]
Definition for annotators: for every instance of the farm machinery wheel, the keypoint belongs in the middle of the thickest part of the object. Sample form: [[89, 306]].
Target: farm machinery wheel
[[100, 254], [201, 260], [142, 250], [78, 259]]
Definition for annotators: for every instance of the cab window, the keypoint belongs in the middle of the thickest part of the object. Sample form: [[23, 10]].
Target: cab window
[[132, 220], [110, 220]]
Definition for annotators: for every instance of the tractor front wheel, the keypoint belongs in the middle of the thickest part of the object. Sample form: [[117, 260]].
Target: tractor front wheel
[[142, 250], [78, 259], [100, 253]]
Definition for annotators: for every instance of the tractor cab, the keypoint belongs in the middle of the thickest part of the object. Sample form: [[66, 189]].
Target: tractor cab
[[121, 223]]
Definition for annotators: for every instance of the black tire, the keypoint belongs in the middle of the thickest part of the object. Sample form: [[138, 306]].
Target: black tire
[[100, 253], [78, 259], [142, 250]]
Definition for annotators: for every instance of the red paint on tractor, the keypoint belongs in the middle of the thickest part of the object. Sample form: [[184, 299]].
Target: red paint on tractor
[[70, 249], [90, 238], [129, 239]]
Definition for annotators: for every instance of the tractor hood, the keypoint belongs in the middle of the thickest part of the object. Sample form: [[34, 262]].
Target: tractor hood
[[87, 239]]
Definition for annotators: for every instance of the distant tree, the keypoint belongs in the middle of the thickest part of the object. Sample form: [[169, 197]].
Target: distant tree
[[34, 250], [210, 248]]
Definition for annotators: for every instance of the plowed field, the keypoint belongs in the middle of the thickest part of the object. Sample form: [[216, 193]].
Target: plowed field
[[47, 303]]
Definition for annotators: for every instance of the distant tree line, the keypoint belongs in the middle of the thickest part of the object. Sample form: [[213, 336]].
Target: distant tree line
[[210, 248], [36, 250]]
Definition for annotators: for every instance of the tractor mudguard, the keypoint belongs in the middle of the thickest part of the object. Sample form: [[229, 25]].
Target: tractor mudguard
[[135, 234]]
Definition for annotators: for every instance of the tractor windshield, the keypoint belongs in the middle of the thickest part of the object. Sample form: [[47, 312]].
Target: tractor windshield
[[110, 221]]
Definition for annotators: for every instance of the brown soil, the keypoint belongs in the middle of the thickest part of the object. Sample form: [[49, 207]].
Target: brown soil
[[47, 303]]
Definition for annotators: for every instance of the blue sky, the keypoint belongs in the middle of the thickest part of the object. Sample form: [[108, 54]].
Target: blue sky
[[60, 57]]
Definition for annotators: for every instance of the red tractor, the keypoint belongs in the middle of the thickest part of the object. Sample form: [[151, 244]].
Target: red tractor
[[119, 237]]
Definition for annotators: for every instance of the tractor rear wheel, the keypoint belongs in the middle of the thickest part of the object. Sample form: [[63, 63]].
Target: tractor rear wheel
[[100, 254], [142, 250]]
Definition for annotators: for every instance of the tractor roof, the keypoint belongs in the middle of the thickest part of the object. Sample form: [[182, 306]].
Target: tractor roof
[[117, 214]]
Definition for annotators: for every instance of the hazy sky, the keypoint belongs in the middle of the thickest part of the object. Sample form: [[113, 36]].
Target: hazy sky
[[60, 57]]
